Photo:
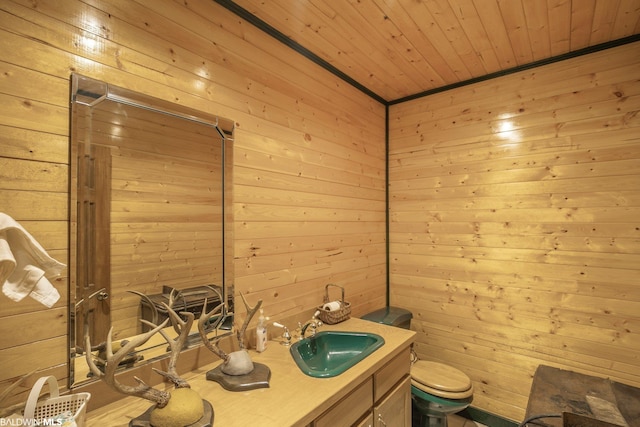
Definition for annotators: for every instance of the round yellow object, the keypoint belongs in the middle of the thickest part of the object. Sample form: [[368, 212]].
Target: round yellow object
[[184, 408]]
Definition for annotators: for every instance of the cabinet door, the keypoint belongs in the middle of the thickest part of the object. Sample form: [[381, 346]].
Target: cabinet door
[[367, 422], [350, 409], [395, 409]]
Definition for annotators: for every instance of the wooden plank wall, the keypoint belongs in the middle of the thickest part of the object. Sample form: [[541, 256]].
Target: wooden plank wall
[[309, 178], [165, 218], [514, 235]]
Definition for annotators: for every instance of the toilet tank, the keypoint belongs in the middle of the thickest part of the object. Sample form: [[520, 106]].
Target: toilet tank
[[392, 316]]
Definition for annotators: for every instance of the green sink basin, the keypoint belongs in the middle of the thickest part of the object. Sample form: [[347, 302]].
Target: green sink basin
[[330, 353]]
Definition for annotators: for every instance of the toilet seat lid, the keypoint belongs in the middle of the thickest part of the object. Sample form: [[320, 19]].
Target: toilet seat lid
[[443, 394], [438, 376]]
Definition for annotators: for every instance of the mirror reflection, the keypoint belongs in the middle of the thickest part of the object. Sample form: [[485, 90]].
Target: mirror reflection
[[150, 216]]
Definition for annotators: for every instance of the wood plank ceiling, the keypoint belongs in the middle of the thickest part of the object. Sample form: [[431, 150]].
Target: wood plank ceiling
[[395, 49]]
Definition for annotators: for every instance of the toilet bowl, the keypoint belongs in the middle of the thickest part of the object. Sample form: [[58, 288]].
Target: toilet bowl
[[436, 389]]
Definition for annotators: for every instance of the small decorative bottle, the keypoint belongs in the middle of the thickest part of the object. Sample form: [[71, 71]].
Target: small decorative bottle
[[261, 333]]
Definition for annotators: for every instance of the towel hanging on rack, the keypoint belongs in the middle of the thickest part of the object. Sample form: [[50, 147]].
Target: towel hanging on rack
[[25, 266]]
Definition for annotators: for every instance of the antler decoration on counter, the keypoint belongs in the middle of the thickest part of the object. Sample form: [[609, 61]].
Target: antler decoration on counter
[[183, 327], [160, 397], [176, 408], [250, 313], [204, 318], [15, 407], [237, 362], [154, 311]]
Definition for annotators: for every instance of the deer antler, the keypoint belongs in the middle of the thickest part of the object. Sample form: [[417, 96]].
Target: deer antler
[[204, 318], [237, 362], [250, 313], [11, 409], [183, 328], [173, 295], [161, 398], [152, 306]]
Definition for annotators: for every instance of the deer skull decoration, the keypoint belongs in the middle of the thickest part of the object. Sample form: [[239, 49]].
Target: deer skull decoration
[[176, 408], [237, 362]]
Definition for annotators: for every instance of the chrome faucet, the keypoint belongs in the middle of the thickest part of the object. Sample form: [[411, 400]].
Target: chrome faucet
[[314, 323], [286, 336]]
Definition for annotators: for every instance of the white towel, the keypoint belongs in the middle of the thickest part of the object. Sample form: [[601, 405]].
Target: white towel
[[25, 266]]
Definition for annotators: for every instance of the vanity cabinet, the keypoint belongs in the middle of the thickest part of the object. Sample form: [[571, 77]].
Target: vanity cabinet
[[383, 399], [374, 392]]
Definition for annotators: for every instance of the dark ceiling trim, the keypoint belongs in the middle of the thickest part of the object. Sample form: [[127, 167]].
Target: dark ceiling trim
[[558, 58], [259, 23]]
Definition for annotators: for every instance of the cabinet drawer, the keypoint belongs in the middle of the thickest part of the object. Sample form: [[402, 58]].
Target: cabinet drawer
[[389, 375], [350, 409]]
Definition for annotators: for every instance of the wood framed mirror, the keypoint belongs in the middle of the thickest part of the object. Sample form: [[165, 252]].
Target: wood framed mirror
[[150, 216]]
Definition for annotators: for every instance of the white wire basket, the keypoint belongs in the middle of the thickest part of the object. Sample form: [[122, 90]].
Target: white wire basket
[[55, 405]]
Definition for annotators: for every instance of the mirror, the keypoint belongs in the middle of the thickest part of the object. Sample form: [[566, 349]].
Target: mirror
[[150, 216]]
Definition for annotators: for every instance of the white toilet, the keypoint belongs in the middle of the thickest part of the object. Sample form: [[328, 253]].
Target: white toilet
[[436, 389]]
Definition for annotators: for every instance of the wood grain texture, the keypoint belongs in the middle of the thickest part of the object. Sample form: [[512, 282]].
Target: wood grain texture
[[309, 149], [514, 225], [397, 48], [514, 202]]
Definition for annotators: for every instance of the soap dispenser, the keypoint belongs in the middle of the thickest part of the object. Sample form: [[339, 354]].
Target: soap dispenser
[[261, 333]]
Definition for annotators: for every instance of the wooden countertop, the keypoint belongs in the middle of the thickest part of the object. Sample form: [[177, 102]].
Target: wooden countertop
[[292, 399]]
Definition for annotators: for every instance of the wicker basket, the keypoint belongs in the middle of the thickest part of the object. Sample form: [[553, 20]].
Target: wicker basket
[[55, 405], [336, 316]]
